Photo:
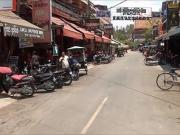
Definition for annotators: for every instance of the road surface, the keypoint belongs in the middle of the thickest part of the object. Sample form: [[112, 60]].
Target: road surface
[[117, 98]]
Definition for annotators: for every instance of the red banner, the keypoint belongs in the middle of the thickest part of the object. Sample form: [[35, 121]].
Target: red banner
[[41, 12]]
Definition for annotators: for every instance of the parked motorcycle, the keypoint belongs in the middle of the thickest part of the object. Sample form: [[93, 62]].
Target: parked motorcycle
[[152, 60], [60, 76], [15, 83], [75, 66], [43, 80], [102, 59]]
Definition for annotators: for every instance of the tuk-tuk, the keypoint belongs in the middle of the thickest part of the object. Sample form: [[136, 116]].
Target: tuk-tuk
[[78, 53]]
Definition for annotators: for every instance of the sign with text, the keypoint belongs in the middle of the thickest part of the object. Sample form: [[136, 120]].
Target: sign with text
[[92, 23], [20, 31], [41, 14], [172, 14], [103, 13], [7, 5], [132, 13], [25, 42], [107, 28]]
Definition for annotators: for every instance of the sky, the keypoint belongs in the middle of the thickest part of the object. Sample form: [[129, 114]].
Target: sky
[[154, 4]]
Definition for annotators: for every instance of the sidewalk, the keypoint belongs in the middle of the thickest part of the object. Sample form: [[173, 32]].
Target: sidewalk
[[5, 101], [166, 67]]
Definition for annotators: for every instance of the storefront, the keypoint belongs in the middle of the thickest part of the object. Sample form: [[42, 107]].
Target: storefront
[[15, 33]]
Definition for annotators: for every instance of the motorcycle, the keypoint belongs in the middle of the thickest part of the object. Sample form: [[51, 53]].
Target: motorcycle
[[75, 66], [152, 60], [15, 83], [60, 77], [43, 80], [98, 59]]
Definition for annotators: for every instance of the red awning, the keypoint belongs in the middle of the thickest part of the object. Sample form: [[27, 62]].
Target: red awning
[[68, 31], [106, 40], [87, 34], [98, 38]]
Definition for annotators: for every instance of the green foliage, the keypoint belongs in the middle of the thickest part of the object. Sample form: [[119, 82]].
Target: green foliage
[[148, 35], [124, 34]]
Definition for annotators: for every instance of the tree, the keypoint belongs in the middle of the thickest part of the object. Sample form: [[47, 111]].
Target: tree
[[148, 35]]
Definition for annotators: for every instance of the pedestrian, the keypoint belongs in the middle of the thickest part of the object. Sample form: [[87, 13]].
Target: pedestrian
[[35, 60], [64, 59]]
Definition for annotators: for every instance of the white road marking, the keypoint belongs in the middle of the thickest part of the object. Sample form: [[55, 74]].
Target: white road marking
[[90, 122], [6, 101]]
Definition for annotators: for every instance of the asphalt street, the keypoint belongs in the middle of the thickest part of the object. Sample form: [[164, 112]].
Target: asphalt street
[[117, 98]]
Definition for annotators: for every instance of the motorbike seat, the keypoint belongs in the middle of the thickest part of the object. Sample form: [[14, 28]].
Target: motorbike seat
[[18, 77], [59, 72], [43, 75]]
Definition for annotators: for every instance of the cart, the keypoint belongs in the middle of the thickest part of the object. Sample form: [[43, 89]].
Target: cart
[[78, 53]]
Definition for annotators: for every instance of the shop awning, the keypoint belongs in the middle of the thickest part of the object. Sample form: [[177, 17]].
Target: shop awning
[[106, 40], [87, 34], [13, 25], [68, 31], [98, 38]]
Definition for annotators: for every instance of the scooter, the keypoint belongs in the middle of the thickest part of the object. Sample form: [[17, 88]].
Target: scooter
[[43, 80], [15, 83]]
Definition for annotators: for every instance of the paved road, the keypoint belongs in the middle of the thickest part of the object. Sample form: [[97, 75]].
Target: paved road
[[118, 98]]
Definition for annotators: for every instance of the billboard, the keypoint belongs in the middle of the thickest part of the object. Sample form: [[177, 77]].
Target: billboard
[[172, 14], [7, 5], [132, 13], [92, 24], [41, 14], [103, 13]]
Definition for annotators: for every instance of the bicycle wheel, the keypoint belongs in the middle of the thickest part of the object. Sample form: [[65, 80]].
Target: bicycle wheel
[[165, 81]]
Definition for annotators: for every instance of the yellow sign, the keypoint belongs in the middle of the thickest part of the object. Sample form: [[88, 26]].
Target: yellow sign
[[172, 5]]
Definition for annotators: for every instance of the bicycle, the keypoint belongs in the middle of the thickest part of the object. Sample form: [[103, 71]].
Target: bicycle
[[166, 80]]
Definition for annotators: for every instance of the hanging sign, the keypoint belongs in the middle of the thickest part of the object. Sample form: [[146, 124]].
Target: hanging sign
[[132, 13], [103, 13], [25, 42], [41, 14]]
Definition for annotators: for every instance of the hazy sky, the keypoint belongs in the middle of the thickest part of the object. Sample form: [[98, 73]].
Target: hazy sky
[[154, 4]]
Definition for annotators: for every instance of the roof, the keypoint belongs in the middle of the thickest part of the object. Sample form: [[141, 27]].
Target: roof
[[106, 39], [11, 18], [68, 31], [16, 26], [142, 24], [87, 34]]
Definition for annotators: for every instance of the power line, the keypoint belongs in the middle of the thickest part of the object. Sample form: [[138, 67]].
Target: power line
[[118, 4]]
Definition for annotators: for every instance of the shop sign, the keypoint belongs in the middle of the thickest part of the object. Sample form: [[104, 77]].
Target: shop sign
[[20, 31], [25, 42], [92, 23], [41, 14], [64, 9], [7, 5], [103, 13], [107, 26], [172, 5], [132, 13], [173, 14]]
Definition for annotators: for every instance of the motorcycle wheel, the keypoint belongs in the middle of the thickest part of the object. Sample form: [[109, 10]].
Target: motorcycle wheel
[[49, 85], [146, 62], [76, 75], [59, 83], [67, 79], [27, 90]]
